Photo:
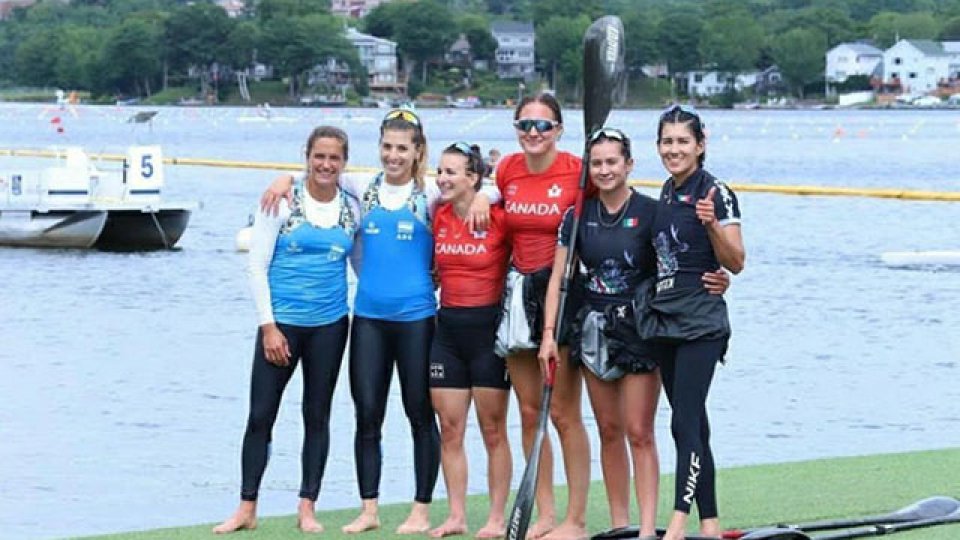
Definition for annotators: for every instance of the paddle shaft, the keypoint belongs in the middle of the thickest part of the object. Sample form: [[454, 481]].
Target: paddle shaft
[[519, 519]]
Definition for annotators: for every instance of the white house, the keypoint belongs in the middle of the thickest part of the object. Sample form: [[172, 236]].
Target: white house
[[711, 83], [849, 59], [379, 57], [234, 8], [515, 49], [354, 8], [7, 6], [918, 65], [953, 49]]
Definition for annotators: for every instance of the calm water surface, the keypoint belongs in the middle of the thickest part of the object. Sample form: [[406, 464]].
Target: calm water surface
[[123, 377]]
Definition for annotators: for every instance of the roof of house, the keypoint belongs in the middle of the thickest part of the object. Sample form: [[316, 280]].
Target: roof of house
[[461, 44], [927, 46], [354, 35], [860, 47], [952, 47], [511, 27]]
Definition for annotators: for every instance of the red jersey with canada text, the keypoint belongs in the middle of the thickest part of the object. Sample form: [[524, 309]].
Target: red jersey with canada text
[[472, 266], [534, 205]]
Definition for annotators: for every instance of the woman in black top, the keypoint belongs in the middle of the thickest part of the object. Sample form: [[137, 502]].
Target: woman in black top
[[697, 229], [614, 247]]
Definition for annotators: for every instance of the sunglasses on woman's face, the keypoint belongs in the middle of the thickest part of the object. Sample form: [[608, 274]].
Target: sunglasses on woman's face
[[542, 125], [402, 114]]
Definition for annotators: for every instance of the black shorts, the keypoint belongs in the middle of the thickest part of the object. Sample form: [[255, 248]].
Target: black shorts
[[624, 347], [462, 352]]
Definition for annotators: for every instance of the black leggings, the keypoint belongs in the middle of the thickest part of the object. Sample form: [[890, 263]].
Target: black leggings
[[687, 371], [374, 346], [321, 348]]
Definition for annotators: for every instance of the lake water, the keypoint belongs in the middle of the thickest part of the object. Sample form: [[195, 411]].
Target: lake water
[[124, 377]]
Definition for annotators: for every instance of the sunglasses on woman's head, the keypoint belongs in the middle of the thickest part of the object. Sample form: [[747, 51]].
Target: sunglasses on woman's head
[[402, 114], [608, 133], [463, 148], [677, 108], [612, 134], [474, 160], [542, 125]]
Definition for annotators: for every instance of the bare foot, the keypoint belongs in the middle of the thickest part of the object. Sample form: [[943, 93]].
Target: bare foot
[[309, 524], [364, 522], [493, 529], [237, 522], [567, 531], [413, 527], [540, 528], [710, 528], [418, 522], [451, 527]]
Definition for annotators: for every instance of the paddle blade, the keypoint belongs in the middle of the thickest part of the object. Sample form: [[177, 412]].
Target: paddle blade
[[931, 507], [603, 67]]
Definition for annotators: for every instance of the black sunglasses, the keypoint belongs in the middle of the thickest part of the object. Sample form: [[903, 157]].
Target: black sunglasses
[[542, 125]]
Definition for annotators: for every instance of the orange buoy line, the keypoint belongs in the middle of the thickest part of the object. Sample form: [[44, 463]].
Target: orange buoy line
[[783, 189]]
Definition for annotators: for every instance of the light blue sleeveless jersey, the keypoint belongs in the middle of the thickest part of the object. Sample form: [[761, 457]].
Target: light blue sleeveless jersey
[[308, 273], [395, 283]]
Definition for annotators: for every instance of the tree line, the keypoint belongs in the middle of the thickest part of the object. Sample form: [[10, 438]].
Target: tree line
[[135, 47]]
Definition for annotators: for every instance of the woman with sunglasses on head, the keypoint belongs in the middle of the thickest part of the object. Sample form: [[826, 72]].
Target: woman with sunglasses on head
[[538, 185], [697, 230], [394, 310], [614, 247], [463, 367], [298, 274]]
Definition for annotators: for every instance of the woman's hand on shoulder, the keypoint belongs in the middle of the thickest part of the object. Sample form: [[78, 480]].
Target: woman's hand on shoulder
[[478, 217], [280, 188], [716, 282]]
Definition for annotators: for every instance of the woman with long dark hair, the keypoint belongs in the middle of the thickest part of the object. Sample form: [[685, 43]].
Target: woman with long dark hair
[[697, 230]]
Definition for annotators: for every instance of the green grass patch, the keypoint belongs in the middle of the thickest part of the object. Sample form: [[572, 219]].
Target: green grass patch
[[172, 95], [749, 496]]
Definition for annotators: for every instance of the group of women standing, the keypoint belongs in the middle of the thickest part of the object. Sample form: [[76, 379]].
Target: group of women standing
[[410, 229]]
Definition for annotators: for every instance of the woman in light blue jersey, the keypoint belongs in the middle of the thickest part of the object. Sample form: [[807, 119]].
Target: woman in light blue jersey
[[298, 274], [394, 310]]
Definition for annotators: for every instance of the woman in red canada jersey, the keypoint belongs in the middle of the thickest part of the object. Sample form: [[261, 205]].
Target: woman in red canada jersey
[[537, 186], [471, 266]]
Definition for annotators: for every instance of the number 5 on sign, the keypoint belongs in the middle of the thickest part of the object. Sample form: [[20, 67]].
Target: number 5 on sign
[[146, 165], [147, 178]]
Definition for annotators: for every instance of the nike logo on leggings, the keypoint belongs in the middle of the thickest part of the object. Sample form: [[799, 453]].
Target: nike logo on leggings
[[692, 475]]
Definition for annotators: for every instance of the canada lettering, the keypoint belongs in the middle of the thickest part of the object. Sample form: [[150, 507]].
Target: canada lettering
[[460, 249], [536, 209]]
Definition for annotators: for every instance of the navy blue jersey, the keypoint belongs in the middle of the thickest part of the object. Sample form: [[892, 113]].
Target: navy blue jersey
[[681, 241], [614, 249]]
